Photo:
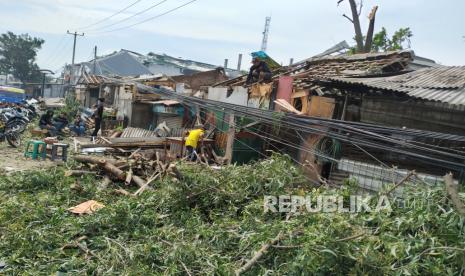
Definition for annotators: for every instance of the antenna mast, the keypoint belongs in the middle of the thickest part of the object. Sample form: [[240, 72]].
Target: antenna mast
[[265, 34]]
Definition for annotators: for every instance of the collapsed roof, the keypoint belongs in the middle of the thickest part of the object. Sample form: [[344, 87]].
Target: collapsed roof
[[390, 71], [443, 84]]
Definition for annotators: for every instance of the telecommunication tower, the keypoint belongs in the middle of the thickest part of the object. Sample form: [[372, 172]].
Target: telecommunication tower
[[265, 34]]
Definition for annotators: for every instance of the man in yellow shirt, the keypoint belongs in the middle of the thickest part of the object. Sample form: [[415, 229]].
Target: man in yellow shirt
[[192, 142]]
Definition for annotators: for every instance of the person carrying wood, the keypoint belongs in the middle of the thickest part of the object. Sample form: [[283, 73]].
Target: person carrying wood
[[192, 142], [259, 72]]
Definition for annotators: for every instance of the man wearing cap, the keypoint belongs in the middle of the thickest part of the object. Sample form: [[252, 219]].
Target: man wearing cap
[[258, 72]]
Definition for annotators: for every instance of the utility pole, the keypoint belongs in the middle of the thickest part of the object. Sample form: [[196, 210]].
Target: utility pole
[[95, 60], [75, 34], [266, 33]]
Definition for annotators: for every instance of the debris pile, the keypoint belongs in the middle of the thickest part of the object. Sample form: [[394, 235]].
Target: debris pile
[[208, 221]]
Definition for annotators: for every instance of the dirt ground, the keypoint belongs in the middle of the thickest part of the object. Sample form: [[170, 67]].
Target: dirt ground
[[13, 160]]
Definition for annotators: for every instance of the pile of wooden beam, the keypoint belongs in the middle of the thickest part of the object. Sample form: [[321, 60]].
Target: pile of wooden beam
[[138, 169], [89, 122]]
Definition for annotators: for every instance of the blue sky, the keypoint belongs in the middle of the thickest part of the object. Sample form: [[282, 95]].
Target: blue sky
[[212, 30]]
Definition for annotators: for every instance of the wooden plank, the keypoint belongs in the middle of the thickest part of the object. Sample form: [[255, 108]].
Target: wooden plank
[[230, 141]]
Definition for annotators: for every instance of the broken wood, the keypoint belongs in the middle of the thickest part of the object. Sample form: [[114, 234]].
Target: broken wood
[[105, 165], [129, 177], [230, 141], [123, 192], [259, 254], [407, 177], [371, 28], [112, 169], [69, 173], [142, 144], [143, 188], [173, 170], [116, 134], [452, 190], [139, 181], [134, 153], [104, 183]]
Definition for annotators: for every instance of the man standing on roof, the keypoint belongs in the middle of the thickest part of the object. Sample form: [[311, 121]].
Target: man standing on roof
[[258, 72], [192, 142], [98, 115]]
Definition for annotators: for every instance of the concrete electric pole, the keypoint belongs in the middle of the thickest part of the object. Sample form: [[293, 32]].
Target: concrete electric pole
[[265, 34], [95, 60], [75, 34]]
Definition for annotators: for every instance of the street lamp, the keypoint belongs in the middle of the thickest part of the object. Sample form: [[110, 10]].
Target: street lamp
[[44, 72]]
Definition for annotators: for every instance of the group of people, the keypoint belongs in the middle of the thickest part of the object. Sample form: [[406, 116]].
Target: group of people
[[55, 125]]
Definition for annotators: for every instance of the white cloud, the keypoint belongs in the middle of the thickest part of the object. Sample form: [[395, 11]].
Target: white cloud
[[299, 28]]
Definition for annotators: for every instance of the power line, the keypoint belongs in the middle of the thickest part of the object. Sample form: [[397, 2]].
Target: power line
[[58, 45], [111, 16], [132, 16], [59, 54], [151, 18]]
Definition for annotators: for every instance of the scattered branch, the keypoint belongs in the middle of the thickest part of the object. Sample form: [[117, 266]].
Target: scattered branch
[[452, 190], [259, 254], [407, 177]]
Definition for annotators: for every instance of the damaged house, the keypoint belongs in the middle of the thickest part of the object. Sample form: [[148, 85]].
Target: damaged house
[[393, 89]]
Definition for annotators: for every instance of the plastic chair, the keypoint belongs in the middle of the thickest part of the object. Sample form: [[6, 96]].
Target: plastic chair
[[39, 148], [64, 151]]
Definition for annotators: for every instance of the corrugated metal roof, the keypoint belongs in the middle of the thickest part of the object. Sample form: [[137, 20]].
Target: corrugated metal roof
[[131, 132], [92, 79], [443, 84], [121, 63]]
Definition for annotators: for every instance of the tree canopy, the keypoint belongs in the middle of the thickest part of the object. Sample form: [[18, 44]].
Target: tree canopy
[[18, 56], [381, 41]]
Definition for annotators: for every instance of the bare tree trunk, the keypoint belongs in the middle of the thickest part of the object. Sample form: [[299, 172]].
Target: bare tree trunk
[[371, 28], [357, 27]]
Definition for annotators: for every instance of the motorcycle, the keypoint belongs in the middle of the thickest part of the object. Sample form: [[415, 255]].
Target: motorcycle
[[15, 118], [11, 133]]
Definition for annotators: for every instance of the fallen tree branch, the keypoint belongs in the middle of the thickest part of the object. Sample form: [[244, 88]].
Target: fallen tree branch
[[69, 173], [452, 190], [123, 192], [145, 186], [407, 177], [83, 248], [351, 237], [110, 168], [259, 254]]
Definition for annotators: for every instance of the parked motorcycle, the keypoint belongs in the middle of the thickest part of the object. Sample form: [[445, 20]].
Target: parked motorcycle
[[10, 132]]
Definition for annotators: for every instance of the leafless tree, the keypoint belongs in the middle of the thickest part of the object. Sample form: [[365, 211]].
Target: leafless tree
[[356, 8]]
